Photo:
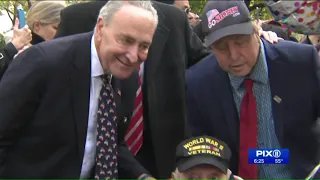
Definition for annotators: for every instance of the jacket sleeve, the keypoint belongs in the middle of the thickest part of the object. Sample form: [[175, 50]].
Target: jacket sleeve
[[19, 96], [195, 48], [129, 167], [6, 56], [316, 127]]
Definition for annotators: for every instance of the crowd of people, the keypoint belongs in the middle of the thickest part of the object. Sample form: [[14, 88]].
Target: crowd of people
[[151, 90]]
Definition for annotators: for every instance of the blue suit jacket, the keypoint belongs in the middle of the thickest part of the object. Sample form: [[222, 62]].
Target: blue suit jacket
[[294, 73]]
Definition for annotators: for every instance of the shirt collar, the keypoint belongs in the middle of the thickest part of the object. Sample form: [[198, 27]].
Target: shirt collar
[[96, 68], [259, 73]]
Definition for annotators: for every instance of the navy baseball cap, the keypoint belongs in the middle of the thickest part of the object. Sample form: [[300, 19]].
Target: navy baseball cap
[[203, 150], [224, 18]]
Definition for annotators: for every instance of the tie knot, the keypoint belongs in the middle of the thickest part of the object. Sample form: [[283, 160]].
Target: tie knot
[[248, 84], [106, 78]]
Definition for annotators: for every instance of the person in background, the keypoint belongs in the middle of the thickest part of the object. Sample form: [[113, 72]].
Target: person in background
[[43, 18], [253, 94], [280, 29], [267, 34], [203, 157], [183, 5], [21, 38], [65, 104], [193, 19]]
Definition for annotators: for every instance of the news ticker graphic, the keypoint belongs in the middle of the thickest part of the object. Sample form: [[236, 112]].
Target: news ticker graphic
[[268, 156]]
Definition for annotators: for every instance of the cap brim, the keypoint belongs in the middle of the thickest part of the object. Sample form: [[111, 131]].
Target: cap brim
[[193, 161], [243, 28]]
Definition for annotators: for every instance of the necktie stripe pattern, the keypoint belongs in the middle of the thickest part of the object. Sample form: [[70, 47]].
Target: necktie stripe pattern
[[134, 134], [106, 150]]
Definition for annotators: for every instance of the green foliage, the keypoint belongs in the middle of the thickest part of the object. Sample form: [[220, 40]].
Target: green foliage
[[264, 14], [197, 5], [2, 42], [10, 7], [69, 2]]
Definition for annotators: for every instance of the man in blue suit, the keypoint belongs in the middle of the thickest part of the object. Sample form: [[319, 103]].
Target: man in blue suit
[[253, 94]]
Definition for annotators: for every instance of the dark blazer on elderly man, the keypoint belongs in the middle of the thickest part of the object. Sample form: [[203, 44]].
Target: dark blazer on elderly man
[[174, 48], [294, 76], [44, 107]]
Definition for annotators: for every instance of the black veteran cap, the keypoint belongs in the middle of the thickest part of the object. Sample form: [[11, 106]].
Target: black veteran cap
[[203, 150], [224, 18]]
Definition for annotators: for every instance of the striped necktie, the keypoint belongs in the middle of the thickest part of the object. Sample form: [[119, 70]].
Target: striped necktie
[[134, 134]]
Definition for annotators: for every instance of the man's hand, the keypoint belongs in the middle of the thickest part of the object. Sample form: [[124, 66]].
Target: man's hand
[[21, 50], [270, 36], [146, 176], [21, 37]]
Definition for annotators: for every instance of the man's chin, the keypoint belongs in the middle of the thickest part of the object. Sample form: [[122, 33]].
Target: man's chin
[[240, 73], [121, 74]]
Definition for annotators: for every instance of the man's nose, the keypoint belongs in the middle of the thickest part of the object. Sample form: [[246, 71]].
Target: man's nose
[[233, 51], [132, 54]]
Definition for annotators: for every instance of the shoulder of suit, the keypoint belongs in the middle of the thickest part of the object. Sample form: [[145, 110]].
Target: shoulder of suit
[[65, 45], [291, 54], [84, 7], [204, 63], [203, 69], [292, 49], [169, 11]]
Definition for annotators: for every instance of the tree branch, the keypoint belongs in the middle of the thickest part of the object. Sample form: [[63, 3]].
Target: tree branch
[[29, 4], [12, 20], [259, 5], [7, 9]]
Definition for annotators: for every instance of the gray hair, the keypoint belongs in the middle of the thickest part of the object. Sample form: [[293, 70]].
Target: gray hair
[[112, 6]]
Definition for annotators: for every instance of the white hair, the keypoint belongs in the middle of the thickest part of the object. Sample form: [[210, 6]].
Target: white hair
[[112, 6]]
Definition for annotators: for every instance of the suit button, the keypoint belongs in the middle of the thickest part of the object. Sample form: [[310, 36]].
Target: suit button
[[125, 119]]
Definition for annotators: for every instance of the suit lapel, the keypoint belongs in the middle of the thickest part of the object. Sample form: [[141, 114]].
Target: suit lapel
[[80, 89], [227, 102], [155, 51], [278, 78]]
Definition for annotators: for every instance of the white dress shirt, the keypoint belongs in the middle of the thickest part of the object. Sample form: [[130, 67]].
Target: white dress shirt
[[95, 87]]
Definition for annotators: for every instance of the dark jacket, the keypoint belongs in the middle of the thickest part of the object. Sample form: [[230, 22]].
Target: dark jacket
[[36, 39], [174, 47], [6, 56]]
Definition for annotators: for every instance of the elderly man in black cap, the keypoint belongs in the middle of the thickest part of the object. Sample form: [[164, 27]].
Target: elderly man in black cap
[[203, 157]]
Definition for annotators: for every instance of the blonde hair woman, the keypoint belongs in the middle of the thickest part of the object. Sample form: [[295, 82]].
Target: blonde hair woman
[[43, 18]]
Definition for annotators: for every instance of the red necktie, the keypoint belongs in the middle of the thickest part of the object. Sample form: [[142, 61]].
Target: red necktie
[[248, 132], [134, 135]]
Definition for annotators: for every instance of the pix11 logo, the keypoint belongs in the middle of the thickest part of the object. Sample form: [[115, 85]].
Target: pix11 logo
[[268, 156]]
